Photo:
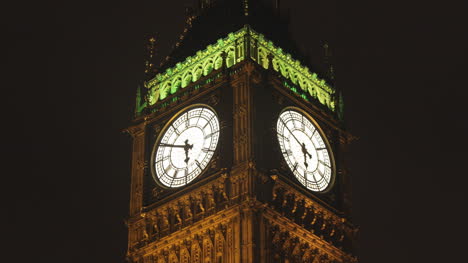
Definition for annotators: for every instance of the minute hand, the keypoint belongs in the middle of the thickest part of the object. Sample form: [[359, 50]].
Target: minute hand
[[291, 132], [171, 145]]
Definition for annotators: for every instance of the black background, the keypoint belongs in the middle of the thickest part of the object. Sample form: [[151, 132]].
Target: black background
[[69, 81]]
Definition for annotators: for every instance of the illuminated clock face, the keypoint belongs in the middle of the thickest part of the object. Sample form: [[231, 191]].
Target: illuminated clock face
[[304, 150], [186, 147]]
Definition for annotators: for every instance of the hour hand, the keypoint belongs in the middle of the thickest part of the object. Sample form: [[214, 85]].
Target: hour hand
[[187, 147], [304, 150], [305, 159]]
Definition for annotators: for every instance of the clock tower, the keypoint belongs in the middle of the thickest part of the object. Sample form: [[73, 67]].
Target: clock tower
[[238, 148]]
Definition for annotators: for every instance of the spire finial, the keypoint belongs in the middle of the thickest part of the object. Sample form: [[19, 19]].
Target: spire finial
[[246, 7], [328, 55], [150, 47], [204, 4]]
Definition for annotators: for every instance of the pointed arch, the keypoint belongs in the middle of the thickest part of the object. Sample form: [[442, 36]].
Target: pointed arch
[[218, 61], [155, 91], [312, 89], [186, 79], [231, 57], [196, 253], [208, 67], [197, 72], [208, 254], [302, 83], [173, 258], [283, 70], [293, 77], [184, 255], [276, 65], [165, 89], [176, 84], [220, 247], [321, 96], [161, 259], [263, 58]]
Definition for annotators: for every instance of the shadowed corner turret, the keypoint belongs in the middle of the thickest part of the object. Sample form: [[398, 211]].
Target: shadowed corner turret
[[204, 4], [150, 70], [340, 110], [328, 56], [330, 76]]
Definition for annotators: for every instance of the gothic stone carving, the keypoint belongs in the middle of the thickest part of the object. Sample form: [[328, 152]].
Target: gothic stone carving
[[311, 216], [182, 212], [208, 244], [287, 246]]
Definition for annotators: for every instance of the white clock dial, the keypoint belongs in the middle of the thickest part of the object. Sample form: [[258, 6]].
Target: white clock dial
[[186, 147], [304, 150]]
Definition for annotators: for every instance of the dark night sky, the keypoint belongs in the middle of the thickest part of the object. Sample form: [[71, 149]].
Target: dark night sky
[[72, 71]]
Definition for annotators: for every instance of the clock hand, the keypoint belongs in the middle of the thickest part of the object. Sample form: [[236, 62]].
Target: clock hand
[[290, 131], [187, 147], [304, 150], [315, 179], [171, 145], [306, 153]]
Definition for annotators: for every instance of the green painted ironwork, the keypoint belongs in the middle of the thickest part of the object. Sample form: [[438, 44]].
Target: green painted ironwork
[[235, 47]]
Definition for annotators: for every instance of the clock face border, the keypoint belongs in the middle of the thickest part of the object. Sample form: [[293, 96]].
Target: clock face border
[[163, 132], [331, 184]]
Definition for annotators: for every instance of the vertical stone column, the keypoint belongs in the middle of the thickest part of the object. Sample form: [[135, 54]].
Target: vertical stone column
[[244, 165], [242, 112], [342, 173], [138, 165]]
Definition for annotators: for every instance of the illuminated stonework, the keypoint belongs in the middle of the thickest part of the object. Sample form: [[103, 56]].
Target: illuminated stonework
[[212, 180], [234, 48]]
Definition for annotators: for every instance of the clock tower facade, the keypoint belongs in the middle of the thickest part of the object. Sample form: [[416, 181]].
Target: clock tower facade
[[238, 149]]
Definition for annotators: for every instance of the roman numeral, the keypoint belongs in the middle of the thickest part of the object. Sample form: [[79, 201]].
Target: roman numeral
[[322, 162], [205, 150], [162, 159], [209, 135], [208, 121], [295, 167], [287, 152], [313, 133], [198, 164], [292, 119], [322, 176], [199, 116], [302, 124], [284, 138]]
